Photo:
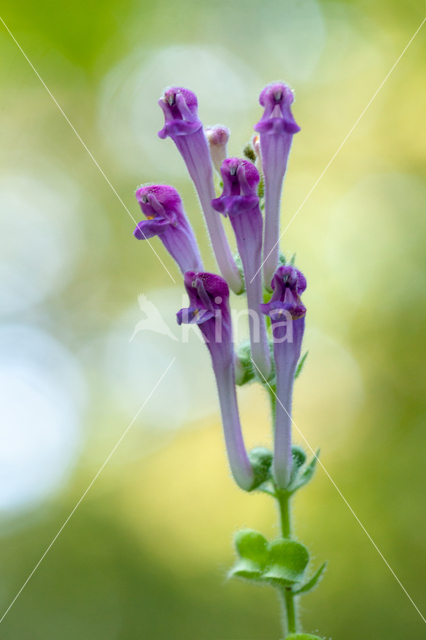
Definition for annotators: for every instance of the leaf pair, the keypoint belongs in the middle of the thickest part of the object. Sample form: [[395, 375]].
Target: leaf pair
[[281, 563]]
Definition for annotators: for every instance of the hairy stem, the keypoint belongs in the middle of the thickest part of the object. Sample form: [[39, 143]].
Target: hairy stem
[[289, 601]]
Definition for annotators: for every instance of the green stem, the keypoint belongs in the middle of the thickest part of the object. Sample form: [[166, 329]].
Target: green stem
[[290, 606], [289, 601]]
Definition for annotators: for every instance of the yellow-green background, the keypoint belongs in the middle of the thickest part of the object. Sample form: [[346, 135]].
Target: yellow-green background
[[145, 555]]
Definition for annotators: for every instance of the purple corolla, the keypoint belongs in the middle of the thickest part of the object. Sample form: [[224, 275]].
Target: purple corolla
[[166, 218], [182, 124], [240, 202], [287, 315], [276, 129], [209, 308]]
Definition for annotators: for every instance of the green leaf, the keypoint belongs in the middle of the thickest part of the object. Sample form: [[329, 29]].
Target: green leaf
[[251, 545], [288, 560], [302, 636], [246, 570], [305, 475], [252, 548], [300, 365], [312, 583]]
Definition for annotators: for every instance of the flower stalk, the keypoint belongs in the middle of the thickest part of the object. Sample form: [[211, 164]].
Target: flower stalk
[[282, 563]]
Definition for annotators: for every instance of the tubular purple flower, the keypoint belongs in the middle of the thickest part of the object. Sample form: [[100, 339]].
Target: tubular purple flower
[[217, 137], [276, 128], [209, 308], [166, 218], [287, 315], [183, 125], [240, 201]]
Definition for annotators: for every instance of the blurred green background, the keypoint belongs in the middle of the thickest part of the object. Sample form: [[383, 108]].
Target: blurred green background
[[146, 553]]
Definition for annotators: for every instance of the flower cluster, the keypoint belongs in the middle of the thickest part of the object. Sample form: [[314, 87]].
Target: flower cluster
[[251, 200]]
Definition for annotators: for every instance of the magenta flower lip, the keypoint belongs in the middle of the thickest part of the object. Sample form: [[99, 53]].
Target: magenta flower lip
[[277, 98], [208, 298], [180, 108], [166, 218], [240, 181], [288, 284]]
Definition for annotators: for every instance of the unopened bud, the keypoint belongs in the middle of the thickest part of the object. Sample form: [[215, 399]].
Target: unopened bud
[[217, 137]]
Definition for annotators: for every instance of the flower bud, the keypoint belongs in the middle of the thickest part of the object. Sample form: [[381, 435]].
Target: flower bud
[[217, 137]]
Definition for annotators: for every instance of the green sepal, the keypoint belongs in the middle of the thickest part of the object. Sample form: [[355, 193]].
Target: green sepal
[[249, 153], [302, 636], [244, 370], [303, 475], [299, 457], [293, 260], [313, 582], [261, 462], [300, 365], [288, 560], [281, 259], [239, 264]]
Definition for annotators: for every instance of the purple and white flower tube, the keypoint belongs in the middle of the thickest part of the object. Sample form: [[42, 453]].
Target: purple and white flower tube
[[166, 218], [287, 315], [183, 126], [209, 308], [240, 202], [276, 128]]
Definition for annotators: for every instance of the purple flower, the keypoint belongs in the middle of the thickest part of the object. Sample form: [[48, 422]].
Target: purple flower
[[166, 218], [185, 128], [276, 128], [240, 201], [209, 308], [217, 137], [287, 315]]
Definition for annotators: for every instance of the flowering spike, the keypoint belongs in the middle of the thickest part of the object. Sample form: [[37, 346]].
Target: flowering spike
[[185, 128], [166, 218], [287, 315], [217, 137], [240, 201], [276, 128], [209, 308]]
